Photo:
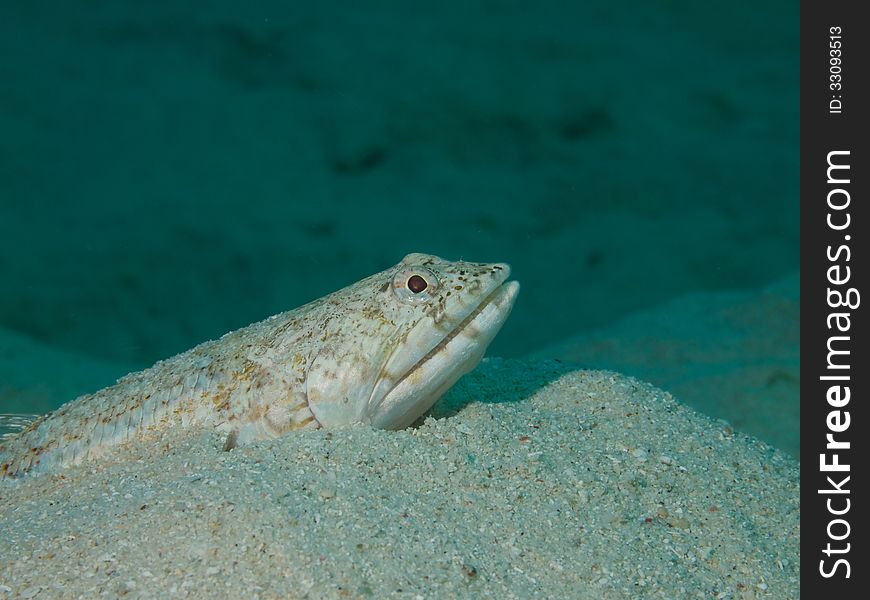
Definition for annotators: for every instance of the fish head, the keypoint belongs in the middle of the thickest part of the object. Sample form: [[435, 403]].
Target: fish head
[[398, 340]]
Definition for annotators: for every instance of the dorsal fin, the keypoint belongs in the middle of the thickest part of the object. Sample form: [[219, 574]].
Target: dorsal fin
[[13, 423]]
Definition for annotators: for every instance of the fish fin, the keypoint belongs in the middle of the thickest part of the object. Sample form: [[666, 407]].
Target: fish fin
[[232, 440], [247, 433], [12, 424]]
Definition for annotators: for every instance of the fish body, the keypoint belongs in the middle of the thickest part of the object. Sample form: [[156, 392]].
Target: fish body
[[380, 351]]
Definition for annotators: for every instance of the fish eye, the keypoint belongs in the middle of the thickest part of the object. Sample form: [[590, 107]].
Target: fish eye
[[415, 285]]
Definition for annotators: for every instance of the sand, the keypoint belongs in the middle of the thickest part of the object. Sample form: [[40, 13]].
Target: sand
[[528, 480], [731, 355]]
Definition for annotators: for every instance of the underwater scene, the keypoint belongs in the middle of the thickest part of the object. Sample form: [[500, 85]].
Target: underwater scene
[[534, 272]]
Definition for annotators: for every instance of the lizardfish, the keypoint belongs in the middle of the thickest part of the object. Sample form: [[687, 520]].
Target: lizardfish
[[380, 351]]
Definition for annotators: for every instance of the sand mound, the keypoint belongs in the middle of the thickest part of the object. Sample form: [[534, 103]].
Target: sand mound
[[528, 481]]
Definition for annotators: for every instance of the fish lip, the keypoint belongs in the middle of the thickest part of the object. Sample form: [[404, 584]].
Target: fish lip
[[462, 325], [505, 288]]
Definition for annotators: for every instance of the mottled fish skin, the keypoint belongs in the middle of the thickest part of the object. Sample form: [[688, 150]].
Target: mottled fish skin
[[380, 351]]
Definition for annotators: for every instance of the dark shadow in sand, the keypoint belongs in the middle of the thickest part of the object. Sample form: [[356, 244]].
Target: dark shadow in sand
[[517, 389]]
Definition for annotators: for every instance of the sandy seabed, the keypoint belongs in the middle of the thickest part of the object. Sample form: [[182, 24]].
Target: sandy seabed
[[529, 480]]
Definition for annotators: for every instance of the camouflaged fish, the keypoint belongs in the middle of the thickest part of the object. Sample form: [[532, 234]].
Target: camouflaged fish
[[380, 351]]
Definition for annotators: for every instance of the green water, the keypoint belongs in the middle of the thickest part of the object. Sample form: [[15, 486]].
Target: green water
[[171, 171]]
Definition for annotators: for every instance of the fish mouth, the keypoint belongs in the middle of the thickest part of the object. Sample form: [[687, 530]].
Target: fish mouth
[[468, 322], [457, 353]]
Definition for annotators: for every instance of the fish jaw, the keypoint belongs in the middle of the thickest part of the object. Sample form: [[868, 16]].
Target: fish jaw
[[457, 354]]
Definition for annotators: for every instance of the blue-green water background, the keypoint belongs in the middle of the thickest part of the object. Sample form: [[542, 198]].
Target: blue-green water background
[[173, 170]]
